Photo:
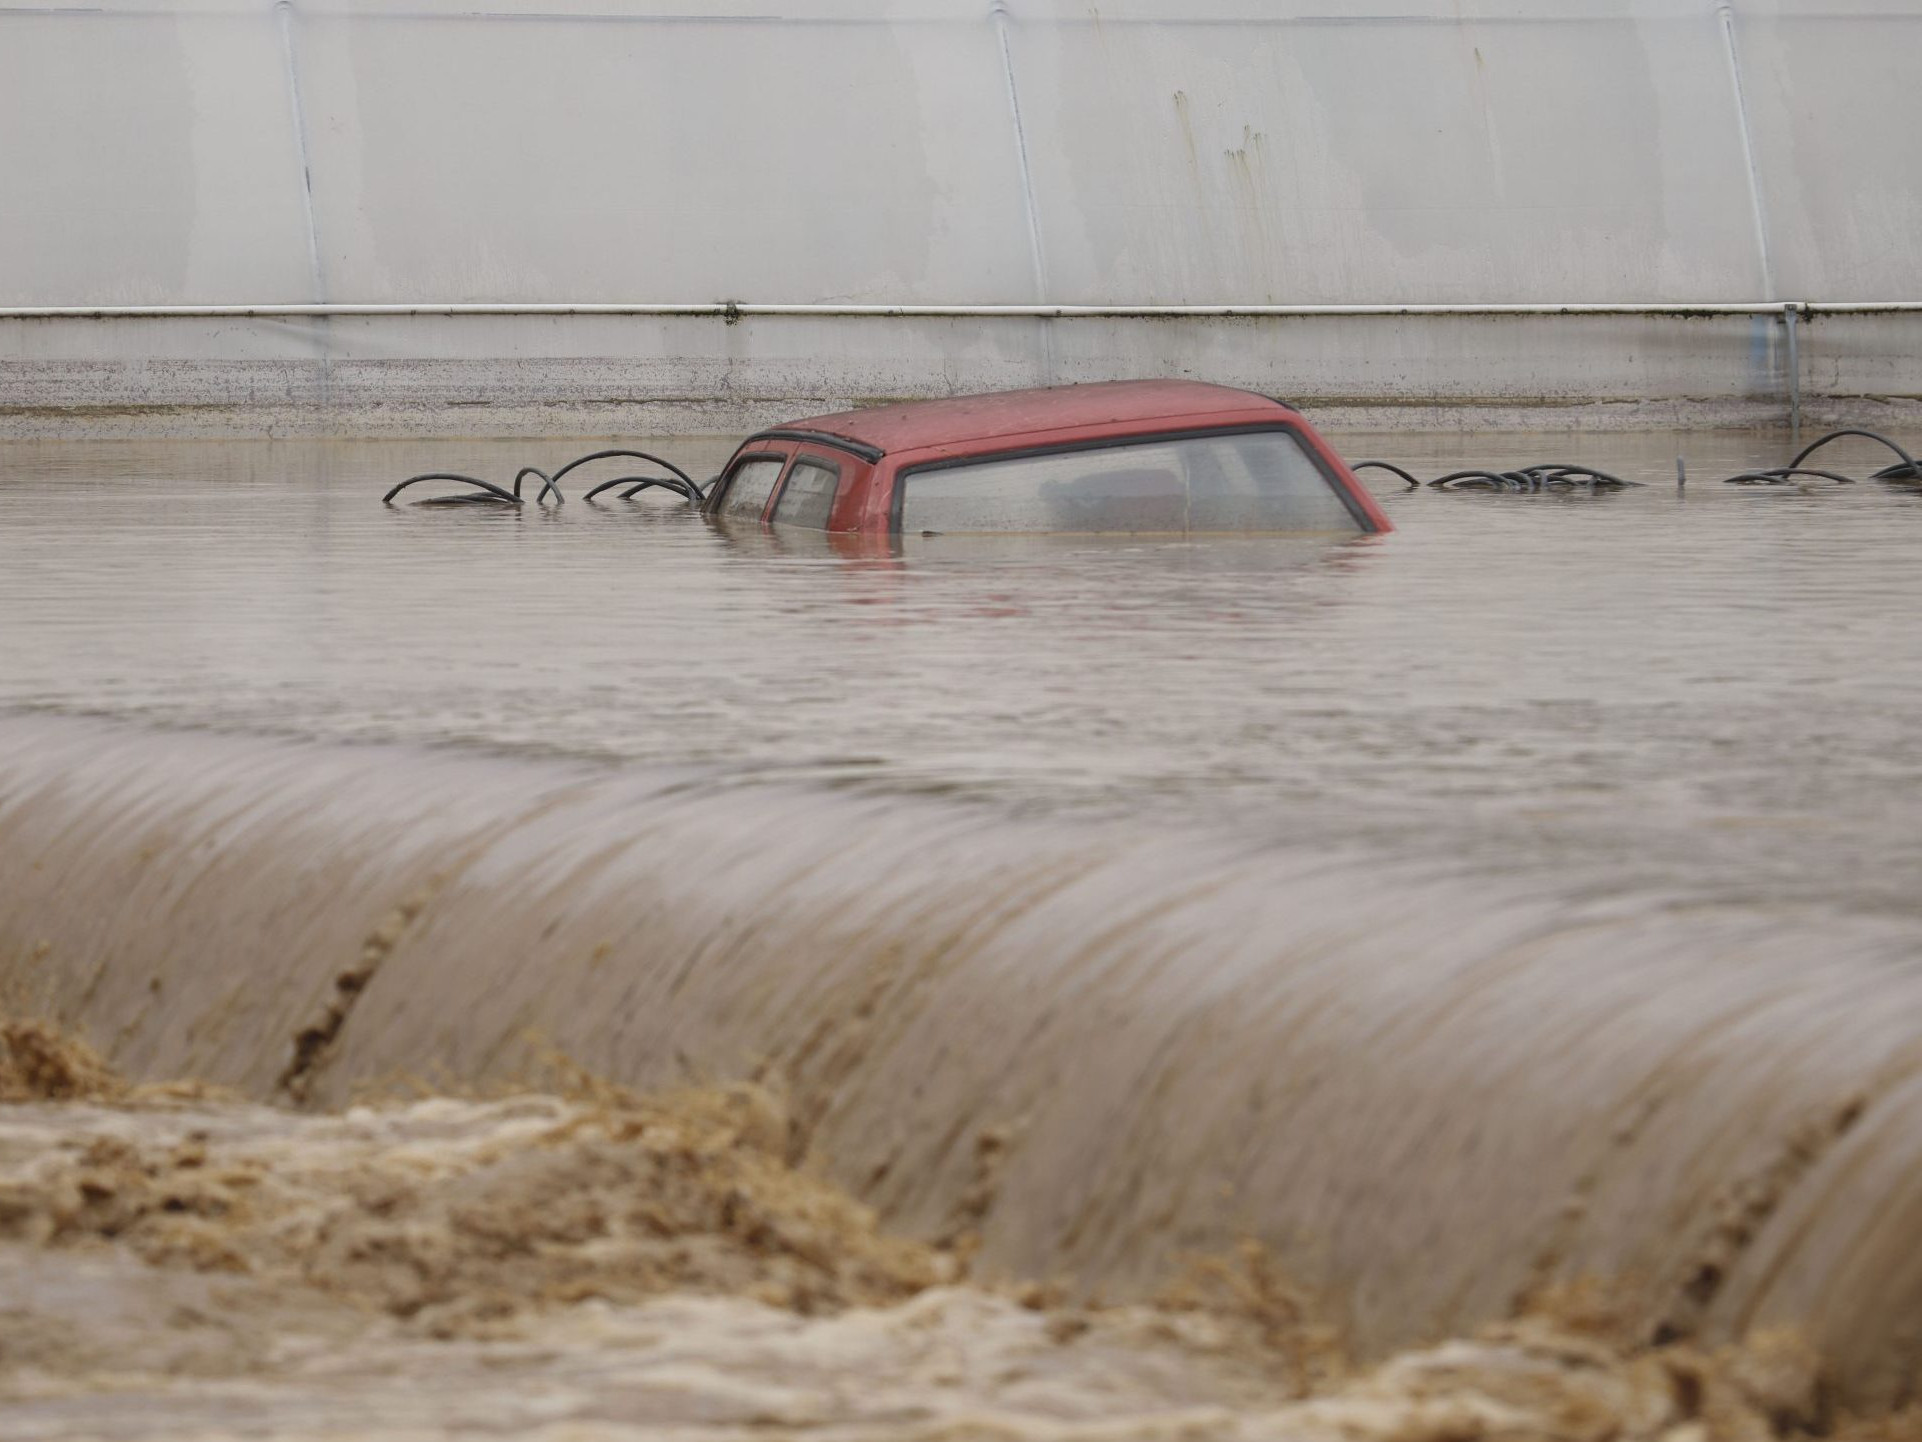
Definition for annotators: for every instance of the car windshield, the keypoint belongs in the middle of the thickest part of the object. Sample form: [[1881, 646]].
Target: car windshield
[[1248, 481]]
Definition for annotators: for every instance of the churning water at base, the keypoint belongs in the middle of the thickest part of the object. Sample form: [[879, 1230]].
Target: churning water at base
[[1525, 894]]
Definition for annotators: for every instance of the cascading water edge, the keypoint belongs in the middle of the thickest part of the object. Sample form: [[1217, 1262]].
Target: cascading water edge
[[1100, 1045]]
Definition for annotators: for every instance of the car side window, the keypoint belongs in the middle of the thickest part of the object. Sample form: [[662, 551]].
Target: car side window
[[808, 497], [749, 485]]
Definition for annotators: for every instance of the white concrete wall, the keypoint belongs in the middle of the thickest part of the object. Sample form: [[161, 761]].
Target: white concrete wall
[[962, 151], [1198, 151]]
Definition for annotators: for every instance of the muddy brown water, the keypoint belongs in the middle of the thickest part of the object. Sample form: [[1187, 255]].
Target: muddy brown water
[[1528, 893]]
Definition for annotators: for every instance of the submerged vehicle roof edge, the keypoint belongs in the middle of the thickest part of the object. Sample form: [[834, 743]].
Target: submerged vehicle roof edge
[[853, 447], [996, 416]]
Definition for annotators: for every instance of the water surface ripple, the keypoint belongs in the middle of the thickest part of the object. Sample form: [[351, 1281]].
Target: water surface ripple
[[1715, 692]]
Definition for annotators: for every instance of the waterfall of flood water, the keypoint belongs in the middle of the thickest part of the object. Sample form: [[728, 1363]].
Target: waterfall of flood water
[[1098, 1044]]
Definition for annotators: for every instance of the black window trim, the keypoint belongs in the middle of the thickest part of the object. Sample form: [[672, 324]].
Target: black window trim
[[1133, 438], [726, 483], [860, 450], [804, 458]]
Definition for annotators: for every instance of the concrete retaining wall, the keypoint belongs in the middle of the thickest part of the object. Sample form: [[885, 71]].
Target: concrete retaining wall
[[495, 375]]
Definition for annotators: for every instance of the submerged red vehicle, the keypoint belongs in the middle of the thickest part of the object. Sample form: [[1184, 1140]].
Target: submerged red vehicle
[[1134, 457]]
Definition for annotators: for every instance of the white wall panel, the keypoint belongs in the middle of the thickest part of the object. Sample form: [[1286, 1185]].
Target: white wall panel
[[1321, 158], [1836, 106], [465, 157], [1198, 151], [147, 157]]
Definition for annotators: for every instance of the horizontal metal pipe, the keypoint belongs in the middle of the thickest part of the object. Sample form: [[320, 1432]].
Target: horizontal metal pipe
[[731, 311]]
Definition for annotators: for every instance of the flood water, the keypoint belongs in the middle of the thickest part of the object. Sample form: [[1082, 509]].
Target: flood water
[[1713, 692], [1522, 898]]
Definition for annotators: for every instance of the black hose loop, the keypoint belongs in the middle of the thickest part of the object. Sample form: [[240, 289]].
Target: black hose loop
[[636, 484], [1558, 469], [1413, 484], [494, 492], [632, 455], [685, 490], [606, 486], [1542, 476], [1814, 446], [547, 484], [677, 481], [1785, 475]]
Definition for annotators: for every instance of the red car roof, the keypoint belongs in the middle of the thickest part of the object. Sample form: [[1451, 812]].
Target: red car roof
[[965, 419]]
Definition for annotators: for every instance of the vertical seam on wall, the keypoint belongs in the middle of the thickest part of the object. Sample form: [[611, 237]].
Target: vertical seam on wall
[[1725, 9], [1036, 253], [285, 10]]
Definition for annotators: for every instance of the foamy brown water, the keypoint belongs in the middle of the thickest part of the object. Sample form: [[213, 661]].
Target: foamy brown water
[[603, 1266]]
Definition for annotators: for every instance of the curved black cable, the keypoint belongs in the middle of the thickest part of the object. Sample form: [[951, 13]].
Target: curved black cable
[[687, 492], [1907, 469], [680, 483], [547, 484], [1557, 469], [1908, 461], [684, 489], [494, 494], [1413, 484], [1785, 475], [1542, 476], [633, 455]]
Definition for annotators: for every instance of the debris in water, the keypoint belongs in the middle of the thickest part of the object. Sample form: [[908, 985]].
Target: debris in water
[[1907, 468], [1543, 476], [40, 1062], [487, 493], [1554, 476]]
